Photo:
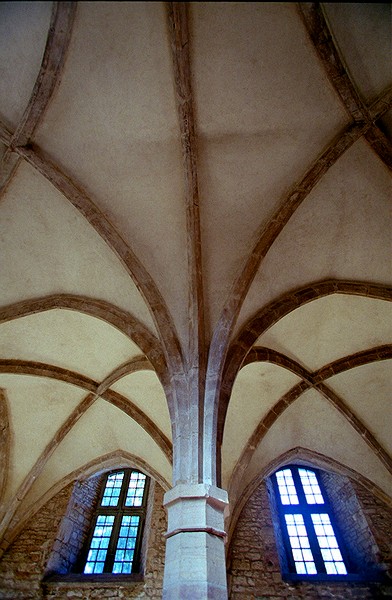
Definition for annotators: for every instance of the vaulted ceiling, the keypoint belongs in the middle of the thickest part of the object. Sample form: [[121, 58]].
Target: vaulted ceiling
[[193, 186]]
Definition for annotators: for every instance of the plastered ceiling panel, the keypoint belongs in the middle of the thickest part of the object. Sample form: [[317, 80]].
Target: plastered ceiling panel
[[144, 389], [256, 136], [342, 230], [24, 28], [102, 429], [37, 409], [330, 328], [364, 36], [47, 247], [257, 388], [68, 339], [113, 128], [312, 423], [367, 391]]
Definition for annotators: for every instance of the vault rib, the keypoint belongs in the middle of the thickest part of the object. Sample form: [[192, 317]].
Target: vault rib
[[311, 380], [179, 37], [27, 367], [49, 76], [177, 16], [310, 457], [96, 218], [105, 462], [138, 363], [5, 442], [120, 319], [338, 74], [269, 233], [96, 390], [109, 313], [271, 314]]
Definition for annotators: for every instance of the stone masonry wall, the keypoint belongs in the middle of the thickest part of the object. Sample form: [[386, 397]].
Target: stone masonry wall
[[358, 538], [23, 564], [51, 540], [254, 571], [379, 518], [74, 528]]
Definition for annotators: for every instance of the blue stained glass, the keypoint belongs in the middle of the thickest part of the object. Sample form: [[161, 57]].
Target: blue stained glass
[[92, 555], [311, 568], [101, 555], [112, 489], [136, 487], [288, 494], [341, 569], [98, 568], [330, 568]]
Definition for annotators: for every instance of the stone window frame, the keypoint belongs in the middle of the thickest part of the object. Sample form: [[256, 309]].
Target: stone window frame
[[118, 512], [283, 544]]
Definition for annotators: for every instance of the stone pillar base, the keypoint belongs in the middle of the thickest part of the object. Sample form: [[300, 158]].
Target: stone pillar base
[[195, 567]]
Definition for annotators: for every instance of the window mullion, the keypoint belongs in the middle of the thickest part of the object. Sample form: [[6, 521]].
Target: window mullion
[[124, 489], [108, 568], [117, 524]]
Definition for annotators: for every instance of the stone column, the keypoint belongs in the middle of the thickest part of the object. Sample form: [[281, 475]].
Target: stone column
[[195, 567]]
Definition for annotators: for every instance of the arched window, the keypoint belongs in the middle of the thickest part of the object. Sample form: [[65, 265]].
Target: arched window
[[115, 539], [312, 543]]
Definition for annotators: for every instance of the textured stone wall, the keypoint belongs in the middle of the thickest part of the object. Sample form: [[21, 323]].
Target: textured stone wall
[[75, 526], [358, 537], [253, 560], [156, 547], [23, 564], [379, 518], [52, 539]]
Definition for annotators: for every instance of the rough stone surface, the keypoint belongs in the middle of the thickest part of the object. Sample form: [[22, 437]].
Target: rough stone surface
[[253, 560], [53, 538]]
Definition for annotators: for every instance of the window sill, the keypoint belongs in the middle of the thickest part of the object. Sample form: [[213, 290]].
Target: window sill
[[350, 578], [104, 580]]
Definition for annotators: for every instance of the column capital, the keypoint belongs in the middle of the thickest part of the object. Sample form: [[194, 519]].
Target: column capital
[[197, 491]]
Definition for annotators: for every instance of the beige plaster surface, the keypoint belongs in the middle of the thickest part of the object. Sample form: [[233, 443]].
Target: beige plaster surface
[[367, 391], [257, 388], [364, 35], [312, 423], [249, 154], [226, 132], [37, 408], [101, 430], [334, 327], [144, 389], [118, 136], [346, 237], [23, 31], [47, 247], [68, 339]]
